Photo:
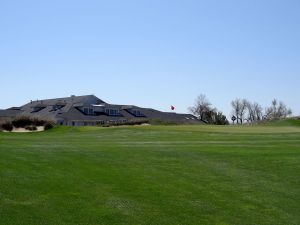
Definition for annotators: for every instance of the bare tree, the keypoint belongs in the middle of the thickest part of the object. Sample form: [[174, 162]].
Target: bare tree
[[250, 112], [236, 109], [201, 107], [258, 111], [243, 109], [254, 112], [277, 110], [204, 111], [239, 109]]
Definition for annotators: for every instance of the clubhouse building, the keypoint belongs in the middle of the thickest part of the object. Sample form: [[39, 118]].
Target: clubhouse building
[[89, 110]]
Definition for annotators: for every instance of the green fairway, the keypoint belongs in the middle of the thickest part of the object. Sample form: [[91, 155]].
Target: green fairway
[[158, 175]]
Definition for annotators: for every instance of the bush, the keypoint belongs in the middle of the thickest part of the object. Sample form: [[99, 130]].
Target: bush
[[38, 122], [7, 126], [31, 123], [27, 123], [48, 126], [22, 122], [122, 123], [31, 127]]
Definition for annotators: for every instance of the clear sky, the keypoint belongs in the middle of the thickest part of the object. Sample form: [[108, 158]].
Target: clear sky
[[152, 53]]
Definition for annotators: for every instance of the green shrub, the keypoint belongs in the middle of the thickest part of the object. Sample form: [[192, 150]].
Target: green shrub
[[7, 126]]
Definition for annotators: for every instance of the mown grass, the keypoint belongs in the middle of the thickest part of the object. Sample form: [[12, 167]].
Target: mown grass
[[151, 175]]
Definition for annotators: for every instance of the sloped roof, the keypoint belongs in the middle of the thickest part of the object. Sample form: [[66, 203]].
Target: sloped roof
[[69, 110], [67, 104], [72, 99], [9, 113]]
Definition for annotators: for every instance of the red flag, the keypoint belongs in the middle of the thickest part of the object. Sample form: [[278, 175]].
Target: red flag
[[172, 107]]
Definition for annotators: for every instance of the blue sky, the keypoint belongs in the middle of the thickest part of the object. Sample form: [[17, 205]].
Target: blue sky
[[152, 53]]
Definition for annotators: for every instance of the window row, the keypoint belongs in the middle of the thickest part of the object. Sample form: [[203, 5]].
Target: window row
[[109, 112], [113, 112]]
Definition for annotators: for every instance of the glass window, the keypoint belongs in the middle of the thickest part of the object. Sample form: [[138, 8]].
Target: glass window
[[57, 107], [112, 112], [136, 112]]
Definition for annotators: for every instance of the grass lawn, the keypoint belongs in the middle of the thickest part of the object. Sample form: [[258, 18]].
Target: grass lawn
[[158, 175]]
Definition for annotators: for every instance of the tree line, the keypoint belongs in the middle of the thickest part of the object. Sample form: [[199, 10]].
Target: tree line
[[243, 111], [246, 111]]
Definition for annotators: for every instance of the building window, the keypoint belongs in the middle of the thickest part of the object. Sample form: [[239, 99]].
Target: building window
[[136, 113], [112, 112], [91, 111], [88, 111], [57, 107], [100, 122]]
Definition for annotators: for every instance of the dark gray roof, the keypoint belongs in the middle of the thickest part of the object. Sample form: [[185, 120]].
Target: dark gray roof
[[69, 110], [14, 108], [67, 103], [91, 99], [9, 113]]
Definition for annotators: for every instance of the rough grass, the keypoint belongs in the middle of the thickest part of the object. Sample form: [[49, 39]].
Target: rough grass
[[151, 175], [285, 122]]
